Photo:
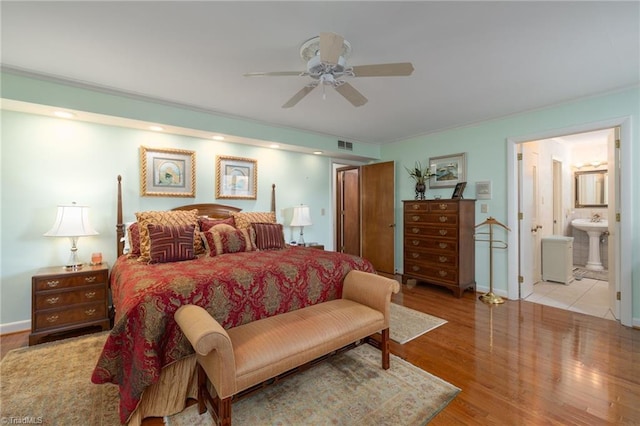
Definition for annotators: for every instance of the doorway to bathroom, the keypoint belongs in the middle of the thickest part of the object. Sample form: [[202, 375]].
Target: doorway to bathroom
[[542, 202]]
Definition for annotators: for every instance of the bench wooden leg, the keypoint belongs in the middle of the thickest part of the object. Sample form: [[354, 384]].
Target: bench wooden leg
[[219, 409], [385, 349]]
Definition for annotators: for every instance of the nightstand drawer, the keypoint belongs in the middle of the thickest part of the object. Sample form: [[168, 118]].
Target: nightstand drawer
[[53, 299], [59, 282], [72, 315]]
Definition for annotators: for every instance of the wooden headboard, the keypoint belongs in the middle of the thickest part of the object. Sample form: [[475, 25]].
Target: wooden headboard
[[215, 211]]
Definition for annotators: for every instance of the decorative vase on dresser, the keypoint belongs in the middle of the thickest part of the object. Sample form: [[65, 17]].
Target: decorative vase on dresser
[[438, 243]]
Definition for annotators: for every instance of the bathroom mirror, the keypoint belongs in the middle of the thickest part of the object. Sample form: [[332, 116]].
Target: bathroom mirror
[[591, 188]]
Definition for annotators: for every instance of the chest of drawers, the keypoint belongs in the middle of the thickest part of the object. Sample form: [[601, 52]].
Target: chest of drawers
[[66, 300], [438, 243]]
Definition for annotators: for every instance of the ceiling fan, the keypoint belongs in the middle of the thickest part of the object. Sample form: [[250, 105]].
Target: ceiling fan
[[327, 66]]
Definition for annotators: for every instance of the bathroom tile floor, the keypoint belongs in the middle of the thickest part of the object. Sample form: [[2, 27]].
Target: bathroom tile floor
[[587, 296]]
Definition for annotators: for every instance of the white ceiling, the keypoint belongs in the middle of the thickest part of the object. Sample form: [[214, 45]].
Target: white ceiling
[[474, 61]]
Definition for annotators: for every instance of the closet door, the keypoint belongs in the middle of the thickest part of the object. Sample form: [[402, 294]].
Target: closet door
[[378, 215], [348, 214]]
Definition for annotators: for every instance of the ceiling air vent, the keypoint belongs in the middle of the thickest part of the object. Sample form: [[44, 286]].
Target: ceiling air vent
[[345, 145]]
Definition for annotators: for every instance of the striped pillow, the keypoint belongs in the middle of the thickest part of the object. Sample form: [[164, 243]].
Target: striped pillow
[[171, 243], [269, 236]]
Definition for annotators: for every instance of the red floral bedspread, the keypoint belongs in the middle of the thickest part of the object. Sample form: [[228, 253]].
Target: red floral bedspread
[[235, 288]]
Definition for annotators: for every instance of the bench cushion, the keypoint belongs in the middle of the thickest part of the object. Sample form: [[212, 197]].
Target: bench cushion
[[271, 346]]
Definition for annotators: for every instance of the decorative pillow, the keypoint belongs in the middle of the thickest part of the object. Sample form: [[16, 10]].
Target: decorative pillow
[[171, 243], [245, 219], [132, 239], [269, 236], [173, 218], [208, 223], [230, 241]]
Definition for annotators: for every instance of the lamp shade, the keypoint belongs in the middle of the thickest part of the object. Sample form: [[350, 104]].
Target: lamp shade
[[72, 221], [301, 216]]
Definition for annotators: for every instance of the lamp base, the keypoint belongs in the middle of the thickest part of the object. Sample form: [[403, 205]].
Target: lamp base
[[491, 298], [73, 262], [74, 266]]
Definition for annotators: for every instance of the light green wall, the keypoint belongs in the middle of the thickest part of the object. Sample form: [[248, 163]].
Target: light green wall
[[47, 161], [486, 148]]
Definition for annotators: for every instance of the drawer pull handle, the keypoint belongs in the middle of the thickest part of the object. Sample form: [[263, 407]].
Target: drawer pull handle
[[443, 259], [52, 318], [53, 300], [53, 284], [415, 255], [443, 219], [442, 273], [443, 206], [415, 230], [415, 206], [90, 312], [443, 232], [443, 245], [415, 242], [90, 279], [415, 268], [90, 294], [415, 217]]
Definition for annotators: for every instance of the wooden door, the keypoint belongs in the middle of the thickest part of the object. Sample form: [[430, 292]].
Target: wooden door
[[348, 210], [378, 215]]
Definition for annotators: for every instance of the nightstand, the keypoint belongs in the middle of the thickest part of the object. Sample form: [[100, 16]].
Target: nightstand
[[315, 246], [68, 300]]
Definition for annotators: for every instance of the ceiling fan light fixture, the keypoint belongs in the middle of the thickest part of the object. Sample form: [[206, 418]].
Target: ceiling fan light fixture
[[311, 48]]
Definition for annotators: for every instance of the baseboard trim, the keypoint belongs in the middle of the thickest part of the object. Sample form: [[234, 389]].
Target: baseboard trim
[[15, 327]]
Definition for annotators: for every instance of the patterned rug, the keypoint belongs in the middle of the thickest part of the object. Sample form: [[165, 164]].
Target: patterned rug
[[50, 384], [407, 324], [347, 389]]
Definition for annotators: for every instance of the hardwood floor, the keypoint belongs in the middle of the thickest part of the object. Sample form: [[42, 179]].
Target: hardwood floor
[[518, 363]]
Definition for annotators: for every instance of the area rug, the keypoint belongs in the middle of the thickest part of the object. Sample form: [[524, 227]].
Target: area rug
[[407, 324], [50, 384], [580, 273], [347, 389]]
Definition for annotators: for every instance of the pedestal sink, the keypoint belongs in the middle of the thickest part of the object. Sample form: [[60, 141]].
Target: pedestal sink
[[594, 230]]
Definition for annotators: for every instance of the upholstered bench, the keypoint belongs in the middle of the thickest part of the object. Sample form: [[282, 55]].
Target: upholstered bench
[[242, 357]]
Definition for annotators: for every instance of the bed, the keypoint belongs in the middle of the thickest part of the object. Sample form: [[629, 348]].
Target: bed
[[146, 355]]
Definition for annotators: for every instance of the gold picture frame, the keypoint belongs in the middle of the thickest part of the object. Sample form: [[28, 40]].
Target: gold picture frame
[[449, 170], [236, 178], [167, 172]]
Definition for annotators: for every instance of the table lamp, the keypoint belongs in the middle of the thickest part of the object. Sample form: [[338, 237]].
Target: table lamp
[[301, 218], [73, 222]]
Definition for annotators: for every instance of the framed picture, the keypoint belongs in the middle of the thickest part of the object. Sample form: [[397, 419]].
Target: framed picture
[[457, 193], [236, 178], [167, 172], [449, 170]]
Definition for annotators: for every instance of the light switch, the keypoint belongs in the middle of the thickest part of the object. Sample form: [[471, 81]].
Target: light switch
[[484, 208]]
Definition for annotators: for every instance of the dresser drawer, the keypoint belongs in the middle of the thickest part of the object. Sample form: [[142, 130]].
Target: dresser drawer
[[431, 272], [431, 217], [444, 206], [71, 315], [53, 299], [410, 206], [443, 231], [428, 257], [432, 244], [60, 282]]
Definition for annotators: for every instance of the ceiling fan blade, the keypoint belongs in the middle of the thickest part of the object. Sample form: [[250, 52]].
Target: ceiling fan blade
[[273, 74], [298, 96], [351, 94], [330, 47], [383, 70]]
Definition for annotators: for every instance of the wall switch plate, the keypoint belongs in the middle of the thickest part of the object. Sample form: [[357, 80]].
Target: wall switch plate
[[484, 208]]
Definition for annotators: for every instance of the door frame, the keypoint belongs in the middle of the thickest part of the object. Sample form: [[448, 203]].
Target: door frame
[[624, 206]]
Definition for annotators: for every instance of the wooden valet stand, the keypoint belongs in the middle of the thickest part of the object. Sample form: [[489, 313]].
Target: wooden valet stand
[[490, 297]]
